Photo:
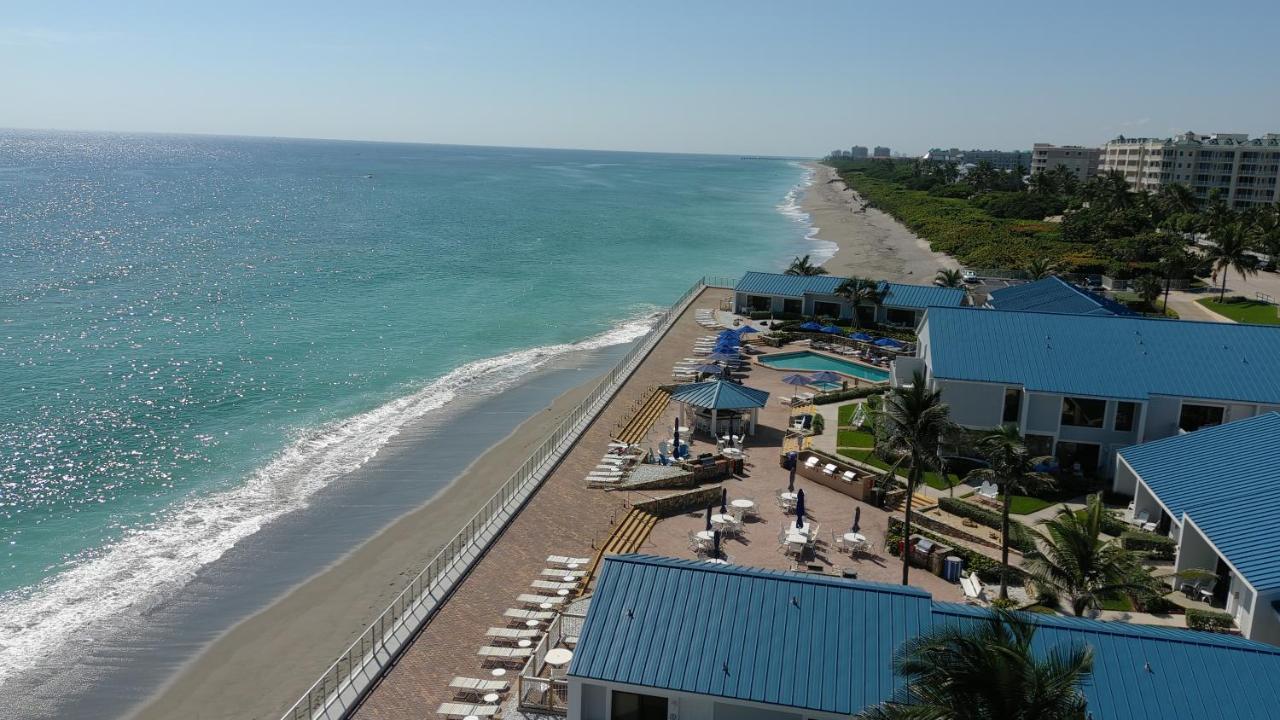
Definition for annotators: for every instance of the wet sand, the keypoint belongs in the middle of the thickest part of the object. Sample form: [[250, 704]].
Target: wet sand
[[871, 243]]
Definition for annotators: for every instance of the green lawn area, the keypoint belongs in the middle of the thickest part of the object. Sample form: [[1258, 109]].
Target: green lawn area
[[1025, 505], [855, 439], [932, 479], [1244, 311], [1119, 603], [846, 415]]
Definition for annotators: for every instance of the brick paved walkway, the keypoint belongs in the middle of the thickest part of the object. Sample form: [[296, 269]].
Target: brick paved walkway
[[564, 517]]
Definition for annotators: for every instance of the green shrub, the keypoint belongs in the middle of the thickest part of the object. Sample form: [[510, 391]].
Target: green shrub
[[819, 423], [1154, 545], [988, 570], [850, 394], [1020, 536], [1210, 620], [770, 315], [1113, 525]]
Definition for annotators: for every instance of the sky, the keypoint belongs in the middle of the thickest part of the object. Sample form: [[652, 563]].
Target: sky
[[795, 78]]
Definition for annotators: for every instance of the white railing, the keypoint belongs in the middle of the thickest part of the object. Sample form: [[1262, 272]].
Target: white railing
[[548, 694], [346, 681]]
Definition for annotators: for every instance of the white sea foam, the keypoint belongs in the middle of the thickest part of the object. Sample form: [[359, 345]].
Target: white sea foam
[[148, 565], [820, 250]]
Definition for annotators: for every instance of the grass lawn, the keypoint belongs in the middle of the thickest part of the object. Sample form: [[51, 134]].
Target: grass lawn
[[932, 479], [1025, 505], [845, 416], [1244, 311], [855, 439], [1119, 603]]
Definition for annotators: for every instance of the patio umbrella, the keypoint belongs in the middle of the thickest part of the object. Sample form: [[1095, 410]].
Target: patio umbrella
[[861, 337], [729, 334], [825, 376], [887, 343], [718, 356], [724, 500], [831, 329], [709, 369], [715, 544], [676, 449], [800, 508], [797, 381], [810, 326], [857, 516], [709, 517], [792, 462]]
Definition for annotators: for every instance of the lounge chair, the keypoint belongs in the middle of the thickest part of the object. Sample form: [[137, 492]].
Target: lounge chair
[[450, 709], [988, 490], [519, 614], [557, 572], [1143, 520], [549, 585], [512, 633], [565, 560], [479, 686], [972, 587], [533, 599]]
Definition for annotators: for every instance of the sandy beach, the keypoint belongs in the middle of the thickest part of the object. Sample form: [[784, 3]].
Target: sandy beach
[[871, 243], [260, 666]]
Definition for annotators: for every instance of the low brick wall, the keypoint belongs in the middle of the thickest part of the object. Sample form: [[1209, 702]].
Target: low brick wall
[[682, 503], [859, 489]]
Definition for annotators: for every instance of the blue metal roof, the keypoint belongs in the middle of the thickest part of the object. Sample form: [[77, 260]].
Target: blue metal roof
[[762, 283], [921, 296], [826, 644], [897, 294], [720, 395], [1053, 294], [1103, 356], [1227, 480]]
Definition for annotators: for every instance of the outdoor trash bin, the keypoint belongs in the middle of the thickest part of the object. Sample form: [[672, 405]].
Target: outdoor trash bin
[[951, 570]]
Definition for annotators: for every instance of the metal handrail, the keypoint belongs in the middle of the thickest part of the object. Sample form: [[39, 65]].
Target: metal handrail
[[349, 677]]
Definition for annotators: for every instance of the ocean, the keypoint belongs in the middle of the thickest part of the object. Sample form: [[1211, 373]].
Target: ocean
[[204, 337]]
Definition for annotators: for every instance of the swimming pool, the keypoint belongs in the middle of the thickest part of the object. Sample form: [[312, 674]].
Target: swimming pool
[[810, 361]]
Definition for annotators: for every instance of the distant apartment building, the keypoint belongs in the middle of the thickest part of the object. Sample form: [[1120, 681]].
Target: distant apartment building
[[880, 152], [1006, 160], [1082, 162], [858, 152], [1245, 170]]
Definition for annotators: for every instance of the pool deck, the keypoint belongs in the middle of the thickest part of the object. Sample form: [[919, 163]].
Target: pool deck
[[836, 359], [564, 517]]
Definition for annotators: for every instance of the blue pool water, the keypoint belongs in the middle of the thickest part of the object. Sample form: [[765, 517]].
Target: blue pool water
[[809, 361]]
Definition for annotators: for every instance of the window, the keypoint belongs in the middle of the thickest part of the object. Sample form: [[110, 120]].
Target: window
[[1195, 417], [1083, 412], [896, 316], [793, 306], [1127, 416], [630, 706], [760, 302], [826, 309], [1012, 405]]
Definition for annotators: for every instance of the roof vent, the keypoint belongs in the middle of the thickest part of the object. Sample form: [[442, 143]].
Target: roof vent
[[795, 601], [630, 615], [1147, 666]]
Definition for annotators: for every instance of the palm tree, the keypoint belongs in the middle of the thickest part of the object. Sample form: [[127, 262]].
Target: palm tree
[[802, 266], [859, 291], [1175, 263], [949, 277], [1230, 250], [1012, 469], [1176, 199], [1076, 562], [1040, 268], [984, 670], [915, 423], [1266, 232], [1109, 191], [1148, 288]]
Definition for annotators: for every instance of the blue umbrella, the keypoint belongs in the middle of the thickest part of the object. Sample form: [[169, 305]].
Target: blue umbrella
[[722, 356], [861, 337], [792, 462], [810, 326], [797, 380], [888, 343], [800, 508], [709, 369], [832, 329], [724, 500], [708, 517], [825, 377]]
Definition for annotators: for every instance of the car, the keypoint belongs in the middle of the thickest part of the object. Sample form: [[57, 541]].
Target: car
[[969, 276], [1093, 283]]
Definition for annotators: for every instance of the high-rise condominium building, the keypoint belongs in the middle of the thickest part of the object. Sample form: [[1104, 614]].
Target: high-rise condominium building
[[858, 152], [880, 152], [1082, 162], [1007, 160], [1246, 171]]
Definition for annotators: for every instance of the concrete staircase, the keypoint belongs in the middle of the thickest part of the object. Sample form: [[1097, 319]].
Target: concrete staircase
[[627, 537], [634, 430]]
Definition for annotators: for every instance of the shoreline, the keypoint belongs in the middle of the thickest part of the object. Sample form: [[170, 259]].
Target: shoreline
[[268, 659], [869, 243]]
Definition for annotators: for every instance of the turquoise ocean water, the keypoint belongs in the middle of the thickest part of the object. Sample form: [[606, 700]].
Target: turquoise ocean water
[[197, 334]]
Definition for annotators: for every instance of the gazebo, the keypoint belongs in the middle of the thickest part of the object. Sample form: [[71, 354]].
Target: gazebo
[[711, 398]]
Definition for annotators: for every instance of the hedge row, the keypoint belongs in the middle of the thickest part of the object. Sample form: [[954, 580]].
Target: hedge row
[[850, 394], [1020, 536], [988, 570], [1210, 620], [1113, 525], [1156, 546]]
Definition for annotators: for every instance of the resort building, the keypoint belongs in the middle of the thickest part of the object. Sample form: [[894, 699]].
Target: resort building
[[1081, 387], [1053, 294], [814, 296], [858, 152], [1245, 171], [1217, 492], [1006, 160], [667, 638], [880, 152], [1081, 162]]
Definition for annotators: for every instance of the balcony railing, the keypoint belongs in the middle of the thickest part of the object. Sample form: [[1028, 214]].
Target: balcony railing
[[538, 689]]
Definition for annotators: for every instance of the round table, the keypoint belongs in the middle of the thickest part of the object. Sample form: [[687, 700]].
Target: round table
[[795, 538], [544, 606], [707, 535], [557, 657], [491, 698], [802, 530], [471, 717], [731, 452], [562, 592], [853, 537], [524, 643], [718, 561], [789, 496], [569, 578], [572, 566], [498, 672], [722, 519], [531, 623], [743, 504]]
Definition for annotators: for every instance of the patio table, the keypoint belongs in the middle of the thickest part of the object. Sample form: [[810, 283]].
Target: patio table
[[498, 672], [707, 535], [788, 496], [743, 503], [491, 698], [853, 537], [722, 519]]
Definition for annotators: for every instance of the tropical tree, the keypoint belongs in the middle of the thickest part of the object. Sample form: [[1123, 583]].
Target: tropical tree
[[1148, 287], [1077, 564], [1175, 262], [1012, 468], [1040, 268], [983, 176], [949, 277], [802, 266], [1266, 231], [1109, 191], [1230, 250], [915, 424], [1176, 199], [987, 670], [861, 291]]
